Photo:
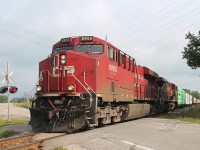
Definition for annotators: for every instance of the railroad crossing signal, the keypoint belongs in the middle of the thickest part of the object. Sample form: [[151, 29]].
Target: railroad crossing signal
[[3, 89], [13, 89], [7, 77]]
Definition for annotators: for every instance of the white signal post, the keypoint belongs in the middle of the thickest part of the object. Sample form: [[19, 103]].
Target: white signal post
[[8, 80]]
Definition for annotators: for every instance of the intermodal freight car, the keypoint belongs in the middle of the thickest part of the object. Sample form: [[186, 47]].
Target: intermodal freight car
[[88, 82]]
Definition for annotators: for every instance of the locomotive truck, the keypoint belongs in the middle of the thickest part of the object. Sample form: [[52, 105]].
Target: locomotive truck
[[88, 82]]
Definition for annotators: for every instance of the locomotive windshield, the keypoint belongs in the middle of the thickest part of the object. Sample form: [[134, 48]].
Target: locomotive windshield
[[89, 48], [65, 48]]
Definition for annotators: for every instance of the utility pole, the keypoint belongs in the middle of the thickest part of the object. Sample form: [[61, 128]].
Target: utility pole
[[8, 94], [7, 89], [26, 96]]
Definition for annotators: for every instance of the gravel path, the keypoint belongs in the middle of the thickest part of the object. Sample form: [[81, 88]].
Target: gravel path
[[15, 113]]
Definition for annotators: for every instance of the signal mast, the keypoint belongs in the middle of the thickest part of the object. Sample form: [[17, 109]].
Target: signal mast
[[4, 89]]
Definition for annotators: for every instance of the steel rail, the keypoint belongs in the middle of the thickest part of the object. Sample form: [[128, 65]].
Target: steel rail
[[15, 140], [24, 142]]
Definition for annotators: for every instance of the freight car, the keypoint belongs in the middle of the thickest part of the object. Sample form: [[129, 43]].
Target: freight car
[[195, 101], [88, 82]]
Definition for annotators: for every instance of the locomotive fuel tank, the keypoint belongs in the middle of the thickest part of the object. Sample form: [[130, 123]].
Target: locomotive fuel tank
[[136, 111]]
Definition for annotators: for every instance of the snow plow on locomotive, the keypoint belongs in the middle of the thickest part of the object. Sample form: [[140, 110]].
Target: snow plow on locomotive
[[88, 82]]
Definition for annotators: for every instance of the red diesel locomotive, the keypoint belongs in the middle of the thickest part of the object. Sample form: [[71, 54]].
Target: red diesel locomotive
[[88, 82]]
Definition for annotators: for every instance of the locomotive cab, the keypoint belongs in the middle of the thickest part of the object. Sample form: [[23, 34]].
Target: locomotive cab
[[66, 98]]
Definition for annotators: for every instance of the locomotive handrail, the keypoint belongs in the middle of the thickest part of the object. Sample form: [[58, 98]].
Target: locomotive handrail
[[88, 85], [47, 78], [83, 87]]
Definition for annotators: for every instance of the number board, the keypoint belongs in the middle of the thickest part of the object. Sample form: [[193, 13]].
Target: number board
[[86, 38], [66, 40]]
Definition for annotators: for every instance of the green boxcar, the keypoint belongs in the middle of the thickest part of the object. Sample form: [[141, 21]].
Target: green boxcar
[[181, 96]]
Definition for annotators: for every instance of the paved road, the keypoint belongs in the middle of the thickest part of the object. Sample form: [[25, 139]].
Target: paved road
[[141, 134], [15, 112]]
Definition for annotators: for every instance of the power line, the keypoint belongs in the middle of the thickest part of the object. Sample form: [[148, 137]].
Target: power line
[[159, 41], [159, 18], [31, 40], [146, 35], [140, 26], [25, 67], [23, 29], [24, 33], [20, 67], [141, 17]]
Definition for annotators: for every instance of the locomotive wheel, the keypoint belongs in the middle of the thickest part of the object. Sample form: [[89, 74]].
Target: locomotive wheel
[[85, 128], [112, 120], [38, 129], [100, 122], [70, 131]]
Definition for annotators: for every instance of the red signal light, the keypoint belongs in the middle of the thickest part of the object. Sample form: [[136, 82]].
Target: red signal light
[[3, 89], [13, 89]]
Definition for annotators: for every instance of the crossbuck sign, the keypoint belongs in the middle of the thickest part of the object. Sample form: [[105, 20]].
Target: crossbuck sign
[[7, 77]]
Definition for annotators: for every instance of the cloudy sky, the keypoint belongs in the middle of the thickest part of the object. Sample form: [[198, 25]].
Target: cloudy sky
[[152, 31]]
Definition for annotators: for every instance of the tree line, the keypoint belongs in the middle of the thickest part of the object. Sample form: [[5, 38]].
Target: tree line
[[195, 94], [4, 99]]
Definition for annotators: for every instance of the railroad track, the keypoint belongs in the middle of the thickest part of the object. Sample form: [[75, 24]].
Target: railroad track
[[24, 142]]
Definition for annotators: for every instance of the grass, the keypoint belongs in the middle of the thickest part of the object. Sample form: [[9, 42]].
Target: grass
[[188, 115], [23, 104], [7, 133], [189, 119], [12, 122]]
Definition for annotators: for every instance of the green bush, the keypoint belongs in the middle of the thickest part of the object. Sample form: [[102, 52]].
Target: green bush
[[60, 148], [187, 114], [23, 104], [6, 133], [192, 113]]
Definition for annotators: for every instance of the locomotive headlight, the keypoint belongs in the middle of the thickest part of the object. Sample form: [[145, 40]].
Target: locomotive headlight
[[63, 59], [70, 88], [38, 88]]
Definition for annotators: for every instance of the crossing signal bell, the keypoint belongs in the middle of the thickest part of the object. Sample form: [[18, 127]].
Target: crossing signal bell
[[13, 89], [3, 89]]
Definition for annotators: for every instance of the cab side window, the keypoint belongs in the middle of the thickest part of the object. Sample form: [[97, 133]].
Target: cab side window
[[110, 53], [123, 57]]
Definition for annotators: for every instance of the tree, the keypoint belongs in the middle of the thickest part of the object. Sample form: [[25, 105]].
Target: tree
[[187, 91], [3, 99], [18, 100], [195, 94], [192, 51]]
